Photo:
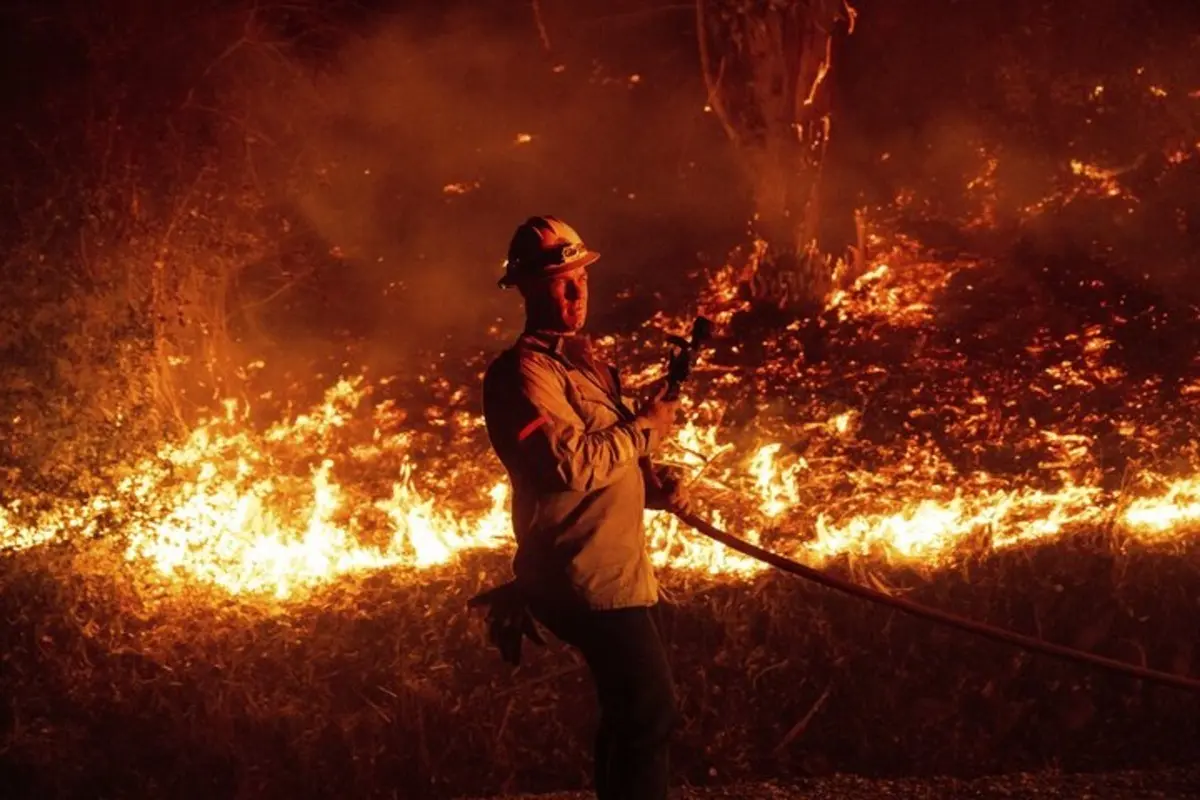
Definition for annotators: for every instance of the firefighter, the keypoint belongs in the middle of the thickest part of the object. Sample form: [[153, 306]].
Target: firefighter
[[578, 456]]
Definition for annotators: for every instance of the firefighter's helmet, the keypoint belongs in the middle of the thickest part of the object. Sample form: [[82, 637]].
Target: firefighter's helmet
[[542, 247]]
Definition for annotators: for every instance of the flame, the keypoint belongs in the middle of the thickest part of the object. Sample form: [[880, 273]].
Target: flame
[[932, 530], [352, 485], [777, 488], [1178, 506], [218, 508]]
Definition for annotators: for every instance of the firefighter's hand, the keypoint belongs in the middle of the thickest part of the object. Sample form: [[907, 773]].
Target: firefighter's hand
[[509, 620], [659, 415], [665, 489], [675, 496]]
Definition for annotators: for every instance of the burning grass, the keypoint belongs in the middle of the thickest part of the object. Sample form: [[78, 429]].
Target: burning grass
[[274, 603], [277, 606], [999, 430]]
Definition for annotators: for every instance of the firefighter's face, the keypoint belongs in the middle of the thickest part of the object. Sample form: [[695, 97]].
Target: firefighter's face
[[560, 302]]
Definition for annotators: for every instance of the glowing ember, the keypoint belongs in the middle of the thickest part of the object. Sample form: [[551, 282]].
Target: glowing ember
[[1105, 179], [903, 302]]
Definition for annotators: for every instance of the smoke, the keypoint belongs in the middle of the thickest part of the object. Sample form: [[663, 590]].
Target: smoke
[[414, 153]]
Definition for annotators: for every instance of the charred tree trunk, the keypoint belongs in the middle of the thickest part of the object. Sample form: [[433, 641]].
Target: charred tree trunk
[[765, 65]]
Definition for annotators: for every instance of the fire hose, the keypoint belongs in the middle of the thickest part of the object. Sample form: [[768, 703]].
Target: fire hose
[[683, 356], [1023, 641], [509, 621]]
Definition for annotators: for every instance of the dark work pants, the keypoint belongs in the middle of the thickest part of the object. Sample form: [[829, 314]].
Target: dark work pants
[[629, 667]]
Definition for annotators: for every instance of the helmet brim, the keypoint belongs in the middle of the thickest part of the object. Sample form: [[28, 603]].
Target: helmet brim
[[517, 277]]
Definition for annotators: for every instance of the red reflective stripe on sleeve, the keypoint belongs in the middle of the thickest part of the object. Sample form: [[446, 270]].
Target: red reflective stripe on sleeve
[[529, 429]]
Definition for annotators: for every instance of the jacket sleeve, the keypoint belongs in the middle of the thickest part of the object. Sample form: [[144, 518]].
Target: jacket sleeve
[[548, 438]]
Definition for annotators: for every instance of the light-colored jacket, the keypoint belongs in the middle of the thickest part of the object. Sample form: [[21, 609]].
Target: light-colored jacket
[[571, 445]]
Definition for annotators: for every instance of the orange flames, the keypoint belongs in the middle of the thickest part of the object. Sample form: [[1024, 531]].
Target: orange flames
[[225, 506], [353, 485]]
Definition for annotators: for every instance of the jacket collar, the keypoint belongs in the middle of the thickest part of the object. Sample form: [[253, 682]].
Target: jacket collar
[[550, 340], [555, 344]]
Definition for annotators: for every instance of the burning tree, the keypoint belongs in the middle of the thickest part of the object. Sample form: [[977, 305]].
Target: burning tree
[[765, 64]]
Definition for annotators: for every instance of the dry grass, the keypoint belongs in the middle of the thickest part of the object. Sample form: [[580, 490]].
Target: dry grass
[[1157, 785], [384, 687]]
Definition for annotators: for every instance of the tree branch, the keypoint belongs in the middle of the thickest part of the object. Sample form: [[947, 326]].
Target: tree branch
[[713, 87], [541, 26]]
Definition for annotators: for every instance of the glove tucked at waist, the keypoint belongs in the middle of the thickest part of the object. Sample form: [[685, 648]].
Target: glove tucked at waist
[[509, 620]]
